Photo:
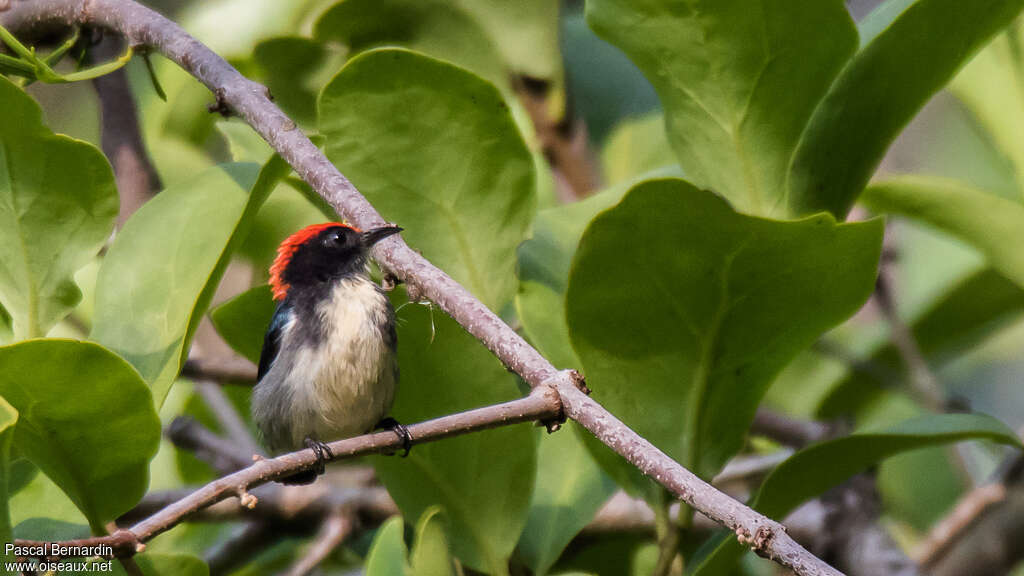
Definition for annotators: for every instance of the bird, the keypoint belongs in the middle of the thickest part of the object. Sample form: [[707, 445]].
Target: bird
[[328, 368]]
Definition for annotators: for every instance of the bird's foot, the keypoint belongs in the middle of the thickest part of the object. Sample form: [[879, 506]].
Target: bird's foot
[[323, 454], [400, 430]]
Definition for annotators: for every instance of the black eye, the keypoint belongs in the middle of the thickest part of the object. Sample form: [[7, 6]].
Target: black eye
[[334, 239]]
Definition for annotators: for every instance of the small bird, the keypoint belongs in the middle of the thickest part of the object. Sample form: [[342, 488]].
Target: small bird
[[328, 369]]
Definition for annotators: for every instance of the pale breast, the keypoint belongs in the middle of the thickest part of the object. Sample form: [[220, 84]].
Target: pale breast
[[356, 374]]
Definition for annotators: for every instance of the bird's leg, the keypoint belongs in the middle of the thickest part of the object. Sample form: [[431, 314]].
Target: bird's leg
[[323, 454], [399, 429]]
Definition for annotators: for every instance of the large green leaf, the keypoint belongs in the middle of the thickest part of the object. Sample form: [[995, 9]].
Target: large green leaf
[[636, 146], [158, 277], [526, 33], [992, 224], [8, 418], [683, 310], [569, 490], [813, 470], [911, 51], [58, 204], [430, 553], [482, 481], [972, 310], [86, 420], [294, 69], [438, 28], [242, 321], [738, 81], [434, 148]]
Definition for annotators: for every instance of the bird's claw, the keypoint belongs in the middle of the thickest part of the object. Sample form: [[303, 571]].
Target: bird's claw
[[323, 454], [400, 430]]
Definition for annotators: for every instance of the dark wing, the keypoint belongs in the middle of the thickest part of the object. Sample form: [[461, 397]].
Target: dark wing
[[272, 340]]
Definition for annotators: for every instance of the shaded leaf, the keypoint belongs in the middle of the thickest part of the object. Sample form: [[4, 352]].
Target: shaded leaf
[[634, 147], [437, 28], [569, 490], [48, 182], [917, 49], [990, 85], [993, 225], [295, 69], [86, 420], [682, 310], [387, 553], [158, 277], [482, 481], [434, 148], [430, 556], [525, 32], [738, 81], [242, 321], [813, 470]]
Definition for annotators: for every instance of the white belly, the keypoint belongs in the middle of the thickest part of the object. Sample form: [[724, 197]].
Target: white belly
[[346, 385]]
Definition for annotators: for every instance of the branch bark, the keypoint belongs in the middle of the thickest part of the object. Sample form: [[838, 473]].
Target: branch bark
[[142, 26], [540, 405]]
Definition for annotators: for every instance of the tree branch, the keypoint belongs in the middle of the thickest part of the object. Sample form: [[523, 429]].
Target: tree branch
[[122, 143], [334, 530], [541, 404], [142, 26]]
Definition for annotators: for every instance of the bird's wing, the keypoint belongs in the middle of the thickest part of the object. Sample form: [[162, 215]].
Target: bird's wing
[[272, 340]]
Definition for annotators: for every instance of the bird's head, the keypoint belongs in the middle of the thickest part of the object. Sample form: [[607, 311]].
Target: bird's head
[[323, 253]]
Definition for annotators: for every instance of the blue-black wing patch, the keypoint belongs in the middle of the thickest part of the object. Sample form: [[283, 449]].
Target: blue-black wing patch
[[272, 340]]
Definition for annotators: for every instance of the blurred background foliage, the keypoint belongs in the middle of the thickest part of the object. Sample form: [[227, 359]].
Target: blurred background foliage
[[491, 201]]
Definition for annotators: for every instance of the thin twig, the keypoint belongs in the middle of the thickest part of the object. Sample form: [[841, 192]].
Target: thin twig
[[564, 141], [240, 547], [231, 370], [922, 380], [539, 405], [334, 530], [789, 431], [144, 27], [220, 453], [227, 416]]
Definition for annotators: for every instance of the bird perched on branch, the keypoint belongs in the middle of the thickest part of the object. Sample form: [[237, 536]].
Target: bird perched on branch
[[328, 369]]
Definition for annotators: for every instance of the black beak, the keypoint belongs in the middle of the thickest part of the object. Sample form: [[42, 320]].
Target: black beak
[[374, 235]]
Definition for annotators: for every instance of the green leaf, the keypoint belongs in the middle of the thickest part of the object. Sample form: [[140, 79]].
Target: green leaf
[[569, 490], [683, 310], [482, 481], [813, 470], [158, 277], [738, 81], [242, 321], [972, 310], [526, 33], [294, 69], [993, 225], [244, 143], [436, 28], [430, 555], [387, 553], [58, 203], [991, 86], [915, 53], [86, 420], [434, 148], [636, 146], [8, 418]]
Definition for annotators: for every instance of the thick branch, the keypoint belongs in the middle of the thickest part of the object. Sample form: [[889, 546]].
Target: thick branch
[[142, 26], [137, 179]]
